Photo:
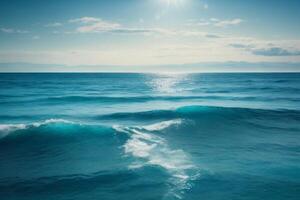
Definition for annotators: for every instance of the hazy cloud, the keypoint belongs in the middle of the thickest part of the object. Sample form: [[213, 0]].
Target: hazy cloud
[[266, 51], [241, 46], [213, 36], [85, 20], [97, 25], [94, 25], [36, 37], [275, 51], [216, 22], [55, 24], [224, 23], [10, 30]]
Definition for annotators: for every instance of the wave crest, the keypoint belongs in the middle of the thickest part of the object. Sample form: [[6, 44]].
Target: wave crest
[[151, 149], [6, 129]]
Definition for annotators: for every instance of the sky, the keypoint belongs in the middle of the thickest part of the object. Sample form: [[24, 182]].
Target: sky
[[149, 35]]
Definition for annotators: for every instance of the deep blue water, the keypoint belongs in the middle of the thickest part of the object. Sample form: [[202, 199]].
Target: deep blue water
[[149, 136]]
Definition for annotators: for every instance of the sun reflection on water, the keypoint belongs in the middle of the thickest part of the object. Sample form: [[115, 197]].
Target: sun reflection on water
[[167, 83]]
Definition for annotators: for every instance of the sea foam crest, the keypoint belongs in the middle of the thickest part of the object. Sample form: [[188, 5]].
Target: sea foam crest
[[6, 129], [152, 149], [162, 125], [51, 121]]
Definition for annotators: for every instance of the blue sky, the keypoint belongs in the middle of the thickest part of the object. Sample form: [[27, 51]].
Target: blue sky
[[136, 35]]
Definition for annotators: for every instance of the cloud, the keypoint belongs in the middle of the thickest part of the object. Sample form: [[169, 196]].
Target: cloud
[[10, 30], [216, 22], [7, 30], [212, 36], [97, 25], [240, 46], [224, 23], [55, 24], [214, 19], [85, 20], [275, 51], [94, 25], [203, 23], [101, 26], [36, 37], [266, 51]]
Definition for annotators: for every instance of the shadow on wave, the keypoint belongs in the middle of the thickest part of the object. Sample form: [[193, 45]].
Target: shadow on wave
[[125, 184]]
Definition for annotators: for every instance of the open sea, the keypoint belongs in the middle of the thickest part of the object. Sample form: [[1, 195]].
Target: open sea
[[130, 136]]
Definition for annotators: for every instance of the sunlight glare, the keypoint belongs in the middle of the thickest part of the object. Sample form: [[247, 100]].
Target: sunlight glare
[[167, 83], [173, 2]]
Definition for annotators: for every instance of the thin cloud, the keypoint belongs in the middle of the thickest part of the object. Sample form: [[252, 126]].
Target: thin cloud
[[216, 22], [275, 51], [97, 25], [36, 37], [94, 25], [241, 46], [213, 36], [266, 51], [10, 30], [225, 23], [7, 30], [55, 24], [85, 20]]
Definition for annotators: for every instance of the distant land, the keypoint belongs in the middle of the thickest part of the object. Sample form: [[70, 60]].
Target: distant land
[[231, 66]]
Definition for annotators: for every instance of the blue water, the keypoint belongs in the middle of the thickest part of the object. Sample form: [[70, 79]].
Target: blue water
[[149, 136]]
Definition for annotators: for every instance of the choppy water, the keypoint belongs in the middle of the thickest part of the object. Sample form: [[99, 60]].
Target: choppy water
[[149, 136]]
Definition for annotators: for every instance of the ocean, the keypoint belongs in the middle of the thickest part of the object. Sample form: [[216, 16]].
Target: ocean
[[134, 136]]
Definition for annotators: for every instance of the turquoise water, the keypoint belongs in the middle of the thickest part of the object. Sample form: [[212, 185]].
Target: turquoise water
[[149, 136]]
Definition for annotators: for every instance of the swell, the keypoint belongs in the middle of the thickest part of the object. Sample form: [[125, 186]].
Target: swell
[[37, 143], [198, 112], [51, 129], [186, 112], [140, 99], [166, 117], [81, 186], [142, 150]]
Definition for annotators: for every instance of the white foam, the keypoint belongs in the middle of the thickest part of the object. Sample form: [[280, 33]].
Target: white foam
[[5, 129], [51, 121], [154, 150], [120, 128], [138, 148], [162, 125]]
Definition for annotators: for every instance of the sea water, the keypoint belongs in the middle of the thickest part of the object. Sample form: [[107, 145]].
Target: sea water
[[85, 136]]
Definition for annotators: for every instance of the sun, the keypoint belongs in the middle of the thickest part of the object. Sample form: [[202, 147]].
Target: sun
[[173, 2]]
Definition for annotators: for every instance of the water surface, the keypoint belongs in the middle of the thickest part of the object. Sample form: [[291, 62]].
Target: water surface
[[149, 136]]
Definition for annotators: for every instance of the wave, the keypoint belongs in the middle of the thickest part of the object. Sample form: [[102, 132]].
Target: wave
[[196, 112], [163, 118], [5, 129], [88, 186], [141, 99], [62, 148], [142, 145]]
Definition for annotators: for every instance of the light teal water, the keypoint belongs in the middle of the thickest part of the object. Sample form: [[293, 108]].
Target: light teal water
[[149, 136]]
